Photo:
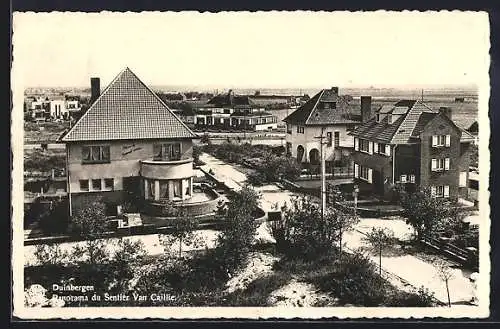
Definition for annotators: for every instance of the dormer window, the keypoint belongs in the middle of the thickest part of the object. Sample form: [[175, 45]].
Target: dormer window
[[378, 117]]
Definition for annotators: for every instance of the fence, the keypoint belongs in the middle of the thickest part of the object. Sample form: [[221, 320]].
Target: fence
[[468, 257]]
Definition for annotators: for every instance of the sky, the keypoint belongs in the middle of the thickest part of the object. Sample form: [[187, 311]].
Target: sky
[[253, 50]]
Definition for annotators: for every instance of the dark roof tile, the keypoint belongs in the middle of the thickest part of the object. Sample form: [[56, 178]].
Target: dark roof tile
[[127, 109], [313, 112]]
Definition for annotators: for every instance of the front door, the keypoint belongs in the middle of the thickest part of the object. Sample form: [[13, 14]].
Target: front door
[[378, 182], [132, 189]]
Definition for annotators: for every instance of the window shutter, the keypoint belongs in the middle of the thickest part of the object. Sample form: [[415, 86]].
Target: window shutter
[[447, 141], [370, 172], [434, 141], [447, 164], [446, 191], [433, 164], [356, 144], [433, 191], [356, 170], [375, 147], [388, 150], [370, 147]]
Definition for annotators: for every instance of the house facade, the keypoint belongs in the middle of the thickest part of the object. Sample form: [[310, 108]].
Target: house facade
[[411, 144], [127, 146], [327, 114]]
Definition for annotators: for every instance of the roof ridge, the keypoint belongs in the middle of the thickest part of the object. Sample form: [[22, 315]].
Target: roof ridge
[[95, 102], [161, 105], [161, 102], [314, 107]]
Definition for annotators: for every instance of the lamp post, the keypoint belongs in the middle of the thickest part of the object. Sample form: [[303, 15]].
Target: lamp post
[[355, 195]]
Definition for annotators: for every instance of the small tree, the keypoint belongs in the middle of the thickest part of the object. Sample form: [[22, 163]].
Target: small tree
[[121, 267], [422, 211], [380, 239], [238, 232], [50, 254], [205, 139], [183, 232], [445, 274], [89, 221], [343, 222], [304, 232]]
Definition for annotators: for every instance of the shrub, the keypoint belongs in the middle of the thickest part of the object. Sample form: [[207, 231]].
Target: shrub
[[256, 178], [238, 232], [56, 219], [355, 281], [420, 298], [305, 232]]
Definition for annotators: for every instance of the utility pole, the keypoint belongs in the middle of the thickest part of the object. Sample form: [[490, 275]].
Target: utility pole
[[323, 181]]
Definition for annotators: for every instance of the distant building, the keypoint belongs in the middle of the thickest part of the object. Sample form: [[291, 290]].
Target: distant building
[[230, 111], [58, 109], [328, 114], [409, 143]]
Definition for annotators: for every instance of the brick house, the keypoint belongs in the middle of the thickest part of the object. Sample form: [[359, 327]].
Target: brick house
[[412, 144], [128, 144], [327, 114]]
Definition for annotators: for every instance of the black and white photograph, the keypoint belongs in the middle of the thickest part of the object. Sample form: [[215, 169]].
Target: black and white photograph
[[184, 165]]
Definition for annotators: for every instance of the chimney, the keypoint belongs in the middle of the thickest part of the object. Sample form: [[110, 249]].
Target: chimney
[[366, 108], [335, 90], [231, 96], [95, 89], [446, 111]]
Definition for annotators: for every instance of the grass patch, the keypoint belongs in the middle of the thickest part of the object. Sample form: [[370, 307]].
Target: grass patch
[[258, 291]]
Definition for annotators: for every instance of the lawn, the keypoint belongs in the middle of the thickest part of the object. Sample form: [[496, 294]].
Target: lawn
[[44, 132]]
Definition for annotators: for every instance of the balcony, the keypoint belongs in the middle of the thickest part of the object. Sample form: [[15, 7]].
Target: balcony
[[167, 169]]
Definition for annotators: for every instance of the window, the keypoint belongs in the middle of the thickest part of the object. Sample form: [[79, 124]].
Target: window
[[363, 172], [403, 179], [440, 140], [300, 129], [188, 188], [177, 188], [440, 164], [167, 151], [163, 189], [150, 189], [337, 138], [95, 154], [84, 185], [462, 182], [109, 184], [364, 145], [440, 191], [412, 178], [329, 141], [96, 184]]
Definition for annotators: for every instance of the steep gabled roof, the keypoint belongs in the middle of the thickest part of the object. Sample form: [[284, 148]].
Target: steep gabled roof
[[400, 131], [313, 113], [223, 100], [380, 132], [127, 109]]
